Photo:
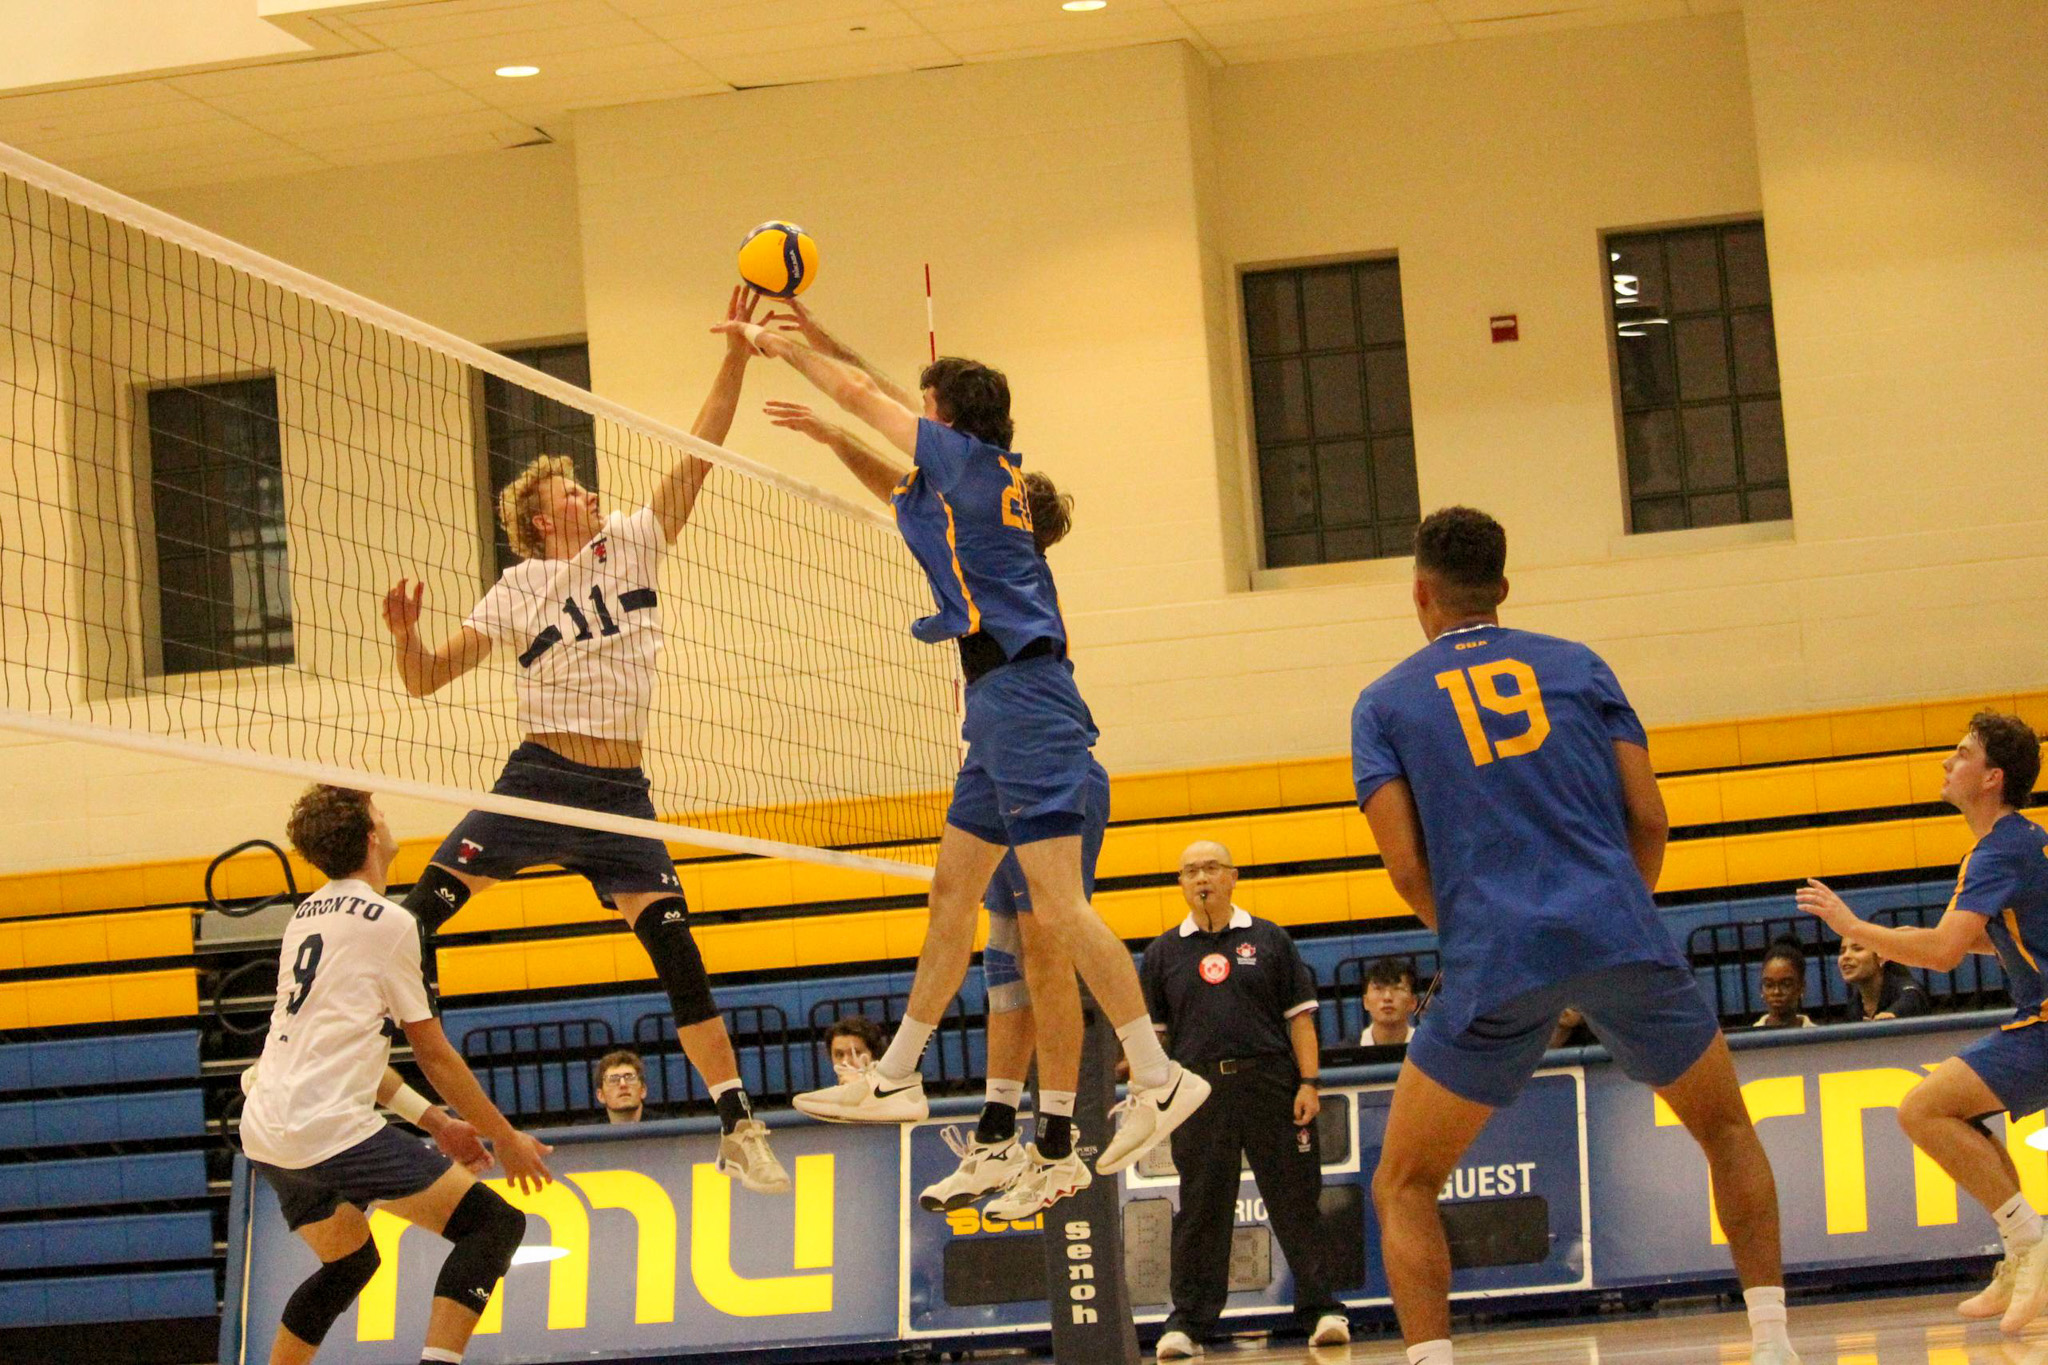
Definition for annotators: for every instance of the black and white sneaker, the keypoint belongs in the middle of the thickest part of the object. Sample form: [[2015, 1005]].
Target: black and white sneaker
[[985, 1167]]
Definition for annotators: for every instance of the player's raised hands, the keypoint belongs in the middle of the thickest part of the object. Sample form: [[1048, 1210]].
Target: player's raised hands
[[756, 338], [798, 418], [1816, 899], [740, 309], [524, 1166], [803, 321], [402, 608]]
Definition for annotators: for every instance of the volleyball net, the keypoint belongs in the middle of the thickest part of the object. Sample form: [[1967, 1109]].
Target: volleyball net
[[217, 465]]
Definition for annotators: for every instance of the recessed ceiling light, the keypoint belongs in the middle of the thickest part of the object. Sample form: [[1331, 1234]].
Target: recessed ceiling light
[[1083, 6], [514, 72]]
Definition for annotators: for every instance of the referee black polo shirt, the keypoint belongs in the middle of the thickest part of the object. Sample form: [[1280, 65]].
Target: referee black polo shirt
[[1229, 994]]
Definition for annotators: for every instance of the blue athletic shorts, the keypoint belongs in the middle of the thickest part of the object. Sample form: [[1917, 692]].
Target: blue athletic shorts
[[386, 1165], [1028, 768], [501, 846], [1650, 1016], [2013, 1062], [1002, 968]]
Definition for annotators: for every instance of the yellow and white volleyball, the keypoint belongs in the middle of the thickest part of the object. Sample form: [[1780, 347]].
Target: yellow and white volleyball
[[779, 259]]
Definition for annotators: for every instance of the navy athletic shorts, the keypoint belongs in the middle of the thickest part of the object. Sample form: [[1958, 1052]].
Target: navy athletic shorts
[[386, 1165], [501, 846], [1028, 769], [1650, 1016], [2013, 1063]]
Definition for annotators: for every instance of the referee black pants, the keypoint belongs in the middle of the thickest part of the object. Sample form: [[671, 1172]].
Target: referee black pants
[[1250, 1112]]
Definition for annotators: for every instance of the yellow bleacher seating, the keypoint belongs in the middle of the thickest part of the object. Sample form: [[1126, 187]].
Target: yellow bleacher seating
[[99, 999]]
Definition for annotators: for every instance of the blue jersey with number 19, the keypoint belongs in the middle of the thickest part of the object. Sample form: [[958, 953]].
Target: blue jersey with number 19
[[1506, 738]]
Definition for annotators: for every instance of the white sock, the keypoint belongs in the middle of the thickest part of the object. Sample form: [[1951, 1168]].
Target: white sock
[[441, 1353], [1436, 1352], [1004, 1092], [1149, 1066], [899, 1063], [1766, 1314], [723, 1086], [2018, 1224], [1059, 1102]]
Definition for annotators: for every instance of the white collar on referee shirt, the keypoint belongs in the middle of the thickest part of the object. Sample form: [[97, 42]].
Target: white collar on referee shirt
[[1239, 919]]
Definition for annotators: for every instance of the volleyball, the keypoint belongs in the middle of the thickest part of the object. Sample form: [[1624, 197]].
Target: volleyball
[[779, 259]]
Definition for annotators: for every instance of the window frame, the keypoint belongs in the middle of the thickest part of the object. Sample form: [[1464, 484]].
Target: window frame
[[489, 569]]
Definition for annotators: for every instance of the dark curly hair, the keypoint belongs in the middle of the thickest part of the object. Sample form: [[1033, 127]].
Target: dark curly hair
[[2012, 747], [1467, 552], [1391, 971], [1052, 512], [972, 397], [861, 1027], [331, 827]]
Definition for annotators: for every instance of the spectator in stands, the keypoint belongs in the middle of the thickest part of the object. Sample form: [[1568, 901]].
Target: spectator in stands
[[852, 1043], [1784, 985], [622, 1086], [1878, 989], [1389, 1003]]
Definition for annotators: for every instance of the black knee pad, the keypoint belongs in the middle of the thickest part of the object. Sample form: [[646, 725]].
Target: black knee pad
[[328, 1292], [664, 931], [486, 1231], [435, 898]]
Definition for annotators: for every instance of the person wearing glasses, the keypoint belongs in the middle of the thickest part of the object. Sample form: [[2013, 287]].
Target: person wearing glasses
[[1237, 1007], [622, 1087]]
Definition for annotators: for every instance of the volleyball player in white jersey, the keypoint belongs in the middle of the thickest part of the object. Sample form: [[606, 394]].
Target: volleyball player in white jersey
[[581, 614], [350, 961]]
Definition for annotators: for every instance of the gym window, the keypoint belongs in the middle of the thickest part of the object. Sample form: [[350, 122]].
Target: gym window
[[1696, 376], [520, 425], [1330, 418], [216, 487]]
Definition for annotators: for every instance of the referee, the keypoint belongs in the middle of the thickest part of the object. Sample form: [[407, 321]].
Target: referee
[[1237, 1006]]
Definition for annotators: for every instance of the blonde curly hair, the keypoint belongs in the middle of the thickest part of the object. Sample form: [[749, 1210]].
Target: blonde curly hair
[[519, 503]]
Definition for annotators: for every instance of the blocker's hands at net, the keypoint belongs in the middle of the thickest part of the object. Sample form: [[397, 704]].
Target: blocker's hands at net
[[803, 321], [402, 608], [798, 418], [1307, 1104], [1823, 904], [740, 309], [461, 1144], [521, 1157], [756, 338]]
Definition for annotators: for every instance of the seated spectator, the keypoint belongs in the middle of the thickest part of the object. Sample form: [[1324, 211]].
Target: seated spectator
[[1389, 1003], [1572, 1030], [621, 1086], [1784, 985], [1878, 989], [852, 1043]]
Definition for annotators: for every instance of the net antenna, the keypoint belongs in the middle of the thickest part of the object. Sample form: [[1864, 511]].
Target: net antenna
[[217, 464]]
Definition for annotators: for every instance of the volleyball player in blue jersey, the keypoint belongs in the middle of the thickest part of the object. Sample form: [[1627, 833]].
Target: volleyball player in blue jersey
[[1025, 784], [1508, 785], [2000, 906]]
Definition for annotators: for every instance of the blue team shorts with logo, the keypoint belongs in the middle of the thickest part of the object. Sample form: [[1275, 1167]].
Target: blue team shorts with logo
[[501, 846], [1650, 1016], [1028, 771], [386, 1165], [2013, 1063], [1008, 896]]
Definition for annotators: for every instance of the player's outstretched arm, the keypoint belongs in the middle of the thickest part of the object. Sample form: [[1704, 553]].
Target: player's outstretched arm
[[850, 388], [1953, 937], [522, 1156], [426, 671], [676, 494], [877, 472], [1397, 829], [804, 322], [1649, 826]]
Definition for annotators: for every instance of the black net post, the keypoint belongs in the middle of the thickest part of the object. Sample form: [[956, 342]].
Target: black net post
[[1086, 1293]]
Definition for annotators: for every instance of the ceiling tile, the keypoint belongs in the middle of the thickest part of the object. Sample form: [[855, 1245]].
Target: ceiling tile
[[289, 76], [491, 51], [833, 63], [37, 115], [434, 105], [1039, 39], [1359, 18], [872, 27], [1331, 26], [679, 26], [1580, 17], [386, 85], [341, 135], [956, 16], [432, 23], [563, 72], [430, 145]]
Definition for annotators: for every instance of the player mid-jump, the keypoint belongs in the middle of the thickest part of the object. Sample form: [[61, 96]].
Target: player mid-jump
[[582, 615]]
